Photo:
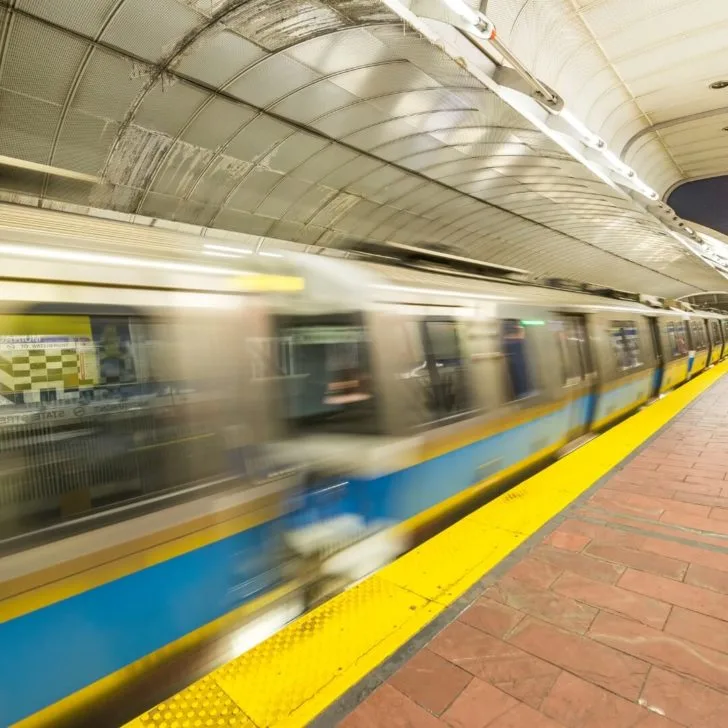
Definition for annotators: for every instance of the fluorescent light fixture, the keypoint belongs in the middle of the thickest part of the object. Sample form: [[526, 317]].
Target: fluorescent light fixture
[[480, 25], [217, 254], [589, 137], [270, 255], [227, 249], [47, 169], [644, 189], [617, 164], [77, 256], [464, 11], [438, 292]]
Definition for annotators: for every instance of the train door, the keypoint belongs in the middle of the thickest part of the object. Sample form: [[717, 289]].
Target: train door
[[579, 378], [659, 357], [716, 341]]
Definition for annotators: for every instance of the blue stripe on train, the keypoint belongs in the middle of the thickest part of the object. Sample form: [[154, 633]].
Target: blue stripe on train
[[399, 496], [60, 649], [620, 398]]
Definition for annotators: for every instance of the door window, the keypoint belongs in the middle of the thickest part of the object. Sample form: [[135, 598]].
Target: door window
[[698, 334], [447, 394], [324, 364], [715, 329], [676, 339], [514, 341], [625, 344]]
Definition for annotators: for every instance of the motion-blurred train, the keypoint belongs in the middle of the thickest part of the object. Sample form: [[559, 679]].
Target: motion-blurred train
[[202, 445]]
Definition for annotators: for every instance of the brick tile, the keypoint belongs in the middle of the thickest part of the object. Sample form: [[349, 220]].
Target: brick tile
[[701, 469], [707, 578], [716, 458], [576, 703], [669, 446], [568, 541], [681, 459], [655, 528], [720, 514], [698, 628], [647, 478], [491, 617], [622, 601], [698, 523], [629, 503], [662, 649], [430, 681], [712, 469], [536, 573], [388, 707], [654, 720], [627, 486], [703, 499], [478, 706], [684, 552], [710, 485], [579, 564], [673, 471], [524, 717], [501, 664], [600, 664], [641, 560], [685, 701], [603, 534], [647, 461], [677, 593], [546, 605]]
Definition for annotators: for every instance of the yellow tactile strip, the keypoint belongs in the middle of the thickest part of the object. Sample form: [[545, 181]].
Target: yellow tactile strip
[[297, 673]]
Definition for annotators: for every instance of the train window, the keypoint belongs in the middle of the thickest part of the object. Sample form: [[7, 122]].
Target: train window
[[676, 339], [725, 330], [625, 344], [715, 329], [448, 394], [516, 357], [90, 419], [698, 334], [324, 364], [566, 364]]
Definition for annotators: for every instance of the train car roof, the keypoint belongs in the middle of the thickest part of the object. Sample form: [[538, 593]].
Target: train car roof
[[199, 263], [402, 282]]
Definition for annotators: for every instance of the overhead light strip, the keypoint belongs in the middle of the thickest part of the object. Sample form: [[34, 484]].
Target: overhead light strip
[[47, 169]]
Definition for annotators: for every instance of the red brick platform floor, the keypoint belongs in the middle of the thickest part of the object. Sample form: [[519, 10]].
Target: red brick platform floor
[[618, 619]]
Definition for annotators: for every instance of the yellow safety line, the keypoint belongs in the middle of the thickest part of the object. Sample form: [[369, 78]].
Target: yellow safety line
[[293, 676]]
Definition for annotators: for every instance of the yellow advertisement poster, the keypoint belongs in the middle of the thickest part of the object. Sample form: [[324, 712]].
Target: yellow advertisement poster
[[44, 354]]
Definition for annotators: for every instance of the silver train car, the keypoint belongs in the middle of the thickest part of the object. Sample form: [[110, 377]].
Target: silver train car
[[458, 384], [195, 446]]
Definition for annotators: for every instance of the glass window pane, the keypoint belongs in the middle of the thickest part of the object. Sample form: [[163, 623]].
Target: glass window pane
[[516, 358], [90, 418], [449, 395], [325, 368], [625, 344]]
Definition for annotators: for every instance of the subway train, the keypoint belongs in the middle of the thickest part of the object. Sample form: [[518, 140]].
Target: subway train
[[198, 445]]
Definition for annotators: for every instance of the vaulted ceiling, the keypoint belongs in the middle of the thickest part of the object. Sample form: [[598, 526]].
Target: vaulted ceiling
[[640, 74], [319, 121]]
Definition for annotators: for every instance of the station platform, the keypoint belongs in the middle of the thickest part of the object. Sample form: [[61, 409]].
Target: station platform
[[592, 595]]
